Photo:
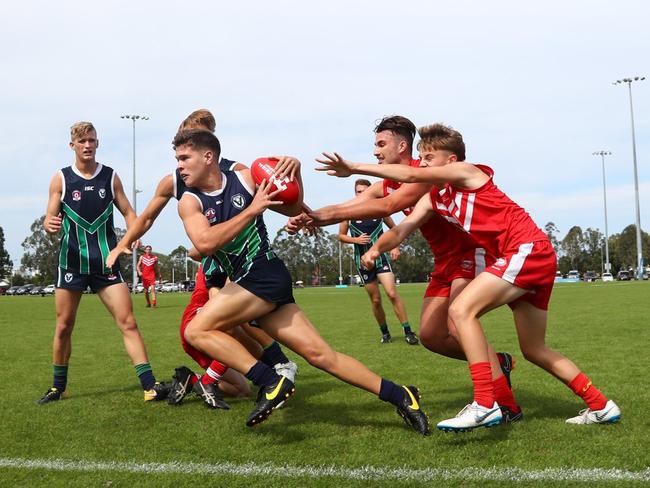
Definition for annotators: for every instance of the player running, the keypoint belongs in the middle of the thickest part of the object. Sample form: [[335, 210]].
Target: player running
[[222, 215], [363, 233], [522, 275], [148, 270], [81, 200]]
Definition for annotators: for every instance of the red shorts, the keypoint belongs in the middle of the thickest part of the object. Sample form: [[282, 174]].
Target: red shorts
[[465, 265], [532, 267], [148, 281]]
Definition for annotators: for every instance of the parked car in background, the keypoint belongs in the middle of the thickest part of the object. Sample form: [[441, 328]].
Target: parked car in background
[[48, 290], [608, 277], [623, 276], [574, 274], [590, 276], [36, 290], [169, 287], [24, 290], [12, 290]]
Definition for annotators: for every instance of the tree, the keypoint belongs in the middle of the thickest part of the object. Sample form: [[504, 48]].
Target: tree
[[416, 261], [593, 242], [41, 252], [6, 264], [177, 261], [572, 246], [551, 230], [623, 250]]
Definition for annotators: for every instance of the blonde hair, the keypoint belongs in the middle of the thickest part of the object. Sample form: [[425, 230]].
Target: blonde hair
[[442, 137], [80, 129], [199, 119]]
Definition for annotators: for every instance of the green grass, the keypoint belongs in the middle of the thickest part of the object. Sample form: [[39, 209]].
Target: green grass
[[604, 328]]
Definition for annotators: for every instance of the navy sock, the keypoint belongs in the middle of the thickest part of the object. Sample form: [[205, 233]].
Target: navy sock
[[407, 328], [262, 375], [390, 392], [60, 380], [273, 355], [145, 374], [384, 328]]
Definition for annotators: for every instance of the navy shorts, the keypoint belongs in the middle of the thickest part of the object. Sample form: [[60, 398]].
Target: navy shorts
[[73, 280], [216, 280], [270, 280], [382, 265]]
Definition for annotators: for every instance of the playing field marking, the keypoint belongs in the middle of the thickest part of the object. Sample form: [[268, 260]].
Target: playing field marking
[[364, 473]]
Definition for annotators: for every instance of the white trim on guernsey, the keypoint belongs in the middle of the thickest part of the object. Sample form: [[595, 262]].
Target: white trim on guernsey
[[218, 191], [113, 184], [76, 171], [517, 262], [244, 184], [174, 182], [62, 183], [197, 198]]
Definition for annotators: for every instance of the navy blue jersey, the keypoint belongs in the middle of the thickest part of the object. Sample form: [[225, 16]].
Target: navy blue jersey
[[374, 228], [179, 184], [87, 208], [252, 243]]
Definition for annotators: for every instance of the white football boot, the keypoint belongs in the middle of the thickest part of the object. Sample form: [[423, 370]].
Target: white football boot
[[472, 416], [608, 415]]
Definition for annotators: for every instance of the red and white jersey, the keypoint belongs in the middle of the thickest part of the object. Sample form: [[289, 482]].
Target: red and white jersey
[[148, 265], [488, 215], [443, 237]]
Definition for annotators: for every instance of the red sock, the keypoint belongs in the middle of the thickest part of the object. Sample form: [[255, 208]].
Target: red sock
[[581, 386], [194, 379], [482, 379], [218, 367], [154, 303], [206, 379], [503, 394]]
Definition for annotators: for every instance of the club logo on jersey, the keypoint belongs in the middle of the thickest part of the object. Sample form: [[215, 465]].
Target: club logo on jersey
[[76, 195], [102, 193], [238, 201], [68, 277], [466, 264], [365, 276], [210, 214], [499, 263], [111, 277]]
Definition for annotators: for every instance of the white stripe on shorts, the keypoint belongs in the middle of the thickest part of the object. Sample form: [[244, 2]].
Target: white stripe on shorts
[[479, 261], [517, 262]]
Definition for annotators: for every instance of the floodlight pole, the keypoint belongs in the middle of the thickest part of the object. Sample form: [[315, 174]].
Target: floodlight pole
[[639, 249], [133, 118], [602, 154]]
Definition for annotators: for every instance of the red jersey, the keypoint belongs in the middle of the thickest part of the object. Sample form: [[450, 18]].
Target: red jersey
[[148, 266], [487, 214], [443, 238], [199, 297]]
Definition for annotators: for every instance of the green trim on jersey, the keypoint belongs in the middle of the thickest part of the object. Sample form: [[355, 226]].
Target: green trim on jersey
[[63, 252], [248, 238], [83, 223], [84, 261]]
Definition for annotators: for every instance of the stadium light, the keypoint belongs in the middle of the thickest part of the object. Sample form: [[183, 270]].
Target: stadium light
[[133, 118], [602, 154], [639, 249]]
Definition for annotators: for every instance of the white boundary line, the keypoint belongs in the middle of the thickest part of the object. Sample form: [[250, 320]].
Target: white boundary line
[[363, 473]]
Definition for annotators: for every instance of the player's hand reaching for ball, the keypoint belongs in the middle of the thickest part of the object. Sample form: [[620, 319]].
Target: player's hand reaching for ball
[[335, 165], [287, 166], [368, 259]]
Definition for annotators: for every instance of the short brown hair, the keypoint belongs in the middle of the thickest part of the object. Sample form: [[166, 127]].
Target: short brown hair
[[442, 137], [79, 129], [199, 119], [198, 139], [398, 125], [362, 182]]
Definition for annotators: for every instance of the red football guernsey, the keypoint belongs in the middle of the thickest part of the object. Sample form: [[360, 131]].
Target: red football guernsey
[[443, 237], [148, 266], [487, 214]]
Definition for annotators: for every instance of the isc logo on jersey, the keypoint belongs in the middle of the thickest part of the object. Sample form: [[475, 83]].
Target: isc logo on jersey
[[210, 214]]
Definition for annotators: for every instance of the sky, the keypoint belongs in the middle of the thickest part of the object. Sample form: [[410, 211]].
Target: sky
[[529, 84]]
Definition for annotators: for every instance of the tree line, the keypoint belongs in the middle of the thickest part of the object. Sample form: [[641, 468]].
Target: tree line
[[317, 260]]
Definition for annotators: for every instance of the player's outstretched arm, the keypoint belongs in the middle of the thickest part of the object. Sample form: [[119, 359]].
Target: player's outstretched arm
[[52, 221], [145, 220], [207, 239], [395, 236]]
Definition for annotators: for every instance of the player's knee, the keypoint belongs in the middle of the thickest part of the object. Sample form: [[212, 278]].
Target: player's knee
[[63, 328], [533, 354], [127, 323], [321, 358], [376, 301], [391, 294], [459, 314]]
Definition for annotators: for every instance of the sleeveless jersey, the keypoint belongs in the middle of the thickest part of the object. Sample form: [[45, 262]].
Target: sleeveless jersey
[[209, 265], [496, 222], [443, 238], [148, 266], [252, 243], [88, 233], [374, 228]]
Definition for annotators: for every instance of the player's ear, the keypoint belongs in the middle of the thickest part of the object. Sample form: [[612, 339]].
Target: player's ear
[[402, 146]]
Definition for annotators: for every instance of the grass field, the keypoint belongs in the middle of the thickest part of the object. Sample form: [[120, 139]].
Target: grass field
[[330, 433]]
